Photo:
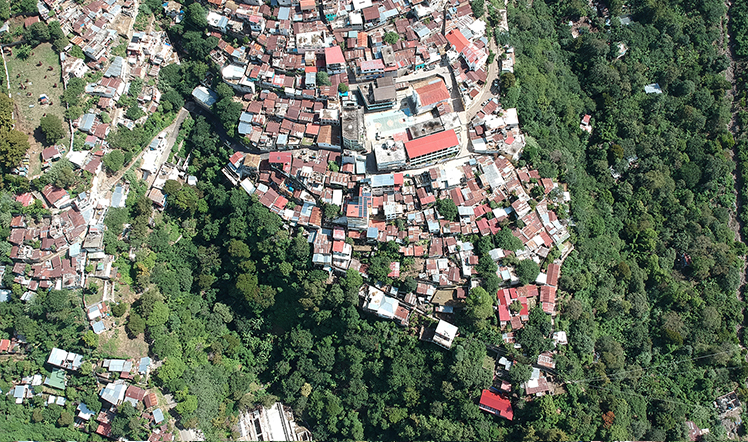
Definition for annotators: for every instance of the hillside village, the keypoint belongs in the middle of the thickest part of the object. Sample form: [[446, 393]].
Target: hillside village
[[358, 119]]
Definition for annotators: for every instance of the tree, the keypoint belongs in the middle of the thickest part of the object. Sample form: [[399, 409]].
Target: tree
[[519, 373], [114, 160], [505, 240], [119, 310], [23, 52], [479, 304], [391, 38], [91, 339], [507, 81], [65, 420], [196, 16], [159, 314], [134, 112], [330, 211], [323, 79], [37, 33], [135, 324], [187, 406], [447, 208], [527, 271], [342, 88], [13, 146], [51, 127]]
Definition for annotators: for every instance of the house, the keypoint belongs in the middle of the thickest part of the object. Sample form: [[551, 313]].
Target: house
[[496, 404], [114, 392], [334, 60], [56, 197], [150, 400], [134, 394], [204, 97], [158, 416], [144, 364], [51, 153], [56, 379], [63, 359], [445, 334], [428, 96]]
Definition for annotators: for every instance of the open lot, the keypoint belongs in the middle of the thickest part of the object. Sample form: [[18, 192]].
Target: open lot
[[37, 80], [40, 81]]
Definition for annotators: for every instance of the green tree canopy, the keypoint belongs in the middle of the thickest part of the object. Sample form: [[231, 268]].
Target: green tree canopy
[[51, 127]]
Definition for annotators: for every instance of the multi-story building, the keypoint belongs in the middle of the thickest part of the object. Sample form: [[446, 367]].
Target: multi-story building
[[432, 148]]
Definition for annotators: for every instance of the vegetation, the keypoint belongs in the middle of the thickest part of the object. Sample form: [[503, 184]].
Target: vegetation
[[228, 298], [52, 129], [391, 38], [13, 143]]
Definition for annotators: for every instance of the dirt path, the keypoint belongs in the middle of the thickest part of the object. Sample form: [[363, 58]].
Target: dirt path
[[727, 47]]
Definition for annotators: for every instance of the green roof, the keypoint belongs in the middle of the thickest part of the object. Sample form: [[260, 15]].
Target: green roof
[[56, 379]]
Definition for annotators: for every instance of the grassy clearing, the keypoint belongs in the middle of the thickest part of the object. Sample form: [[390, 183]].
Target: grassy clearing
[[42, 81]]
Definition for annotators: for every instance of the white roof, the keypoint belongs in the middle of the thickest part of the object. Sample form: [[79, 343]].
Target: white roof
[[446, 329]]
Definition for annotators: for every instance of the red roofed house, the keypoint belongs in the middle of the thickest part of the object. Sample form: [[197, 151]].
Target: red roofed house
[[334, 60], [427, 97], [456, 40], [51, 153], [28, 21], [26, 199], [281, 160], [432, 147], [56, 197], [496, 404], [504, 316], [150, 400], [553, 271], [4, 345]]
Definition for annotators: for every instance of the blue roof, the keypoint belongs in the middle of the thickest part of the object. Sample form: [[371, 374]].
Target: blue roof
[[205, 95], [115, 69], [284, 13], [158, 416], [144, 363], [87, 122], [19, 392], [245, 117], [244, 128], [74, 250], [383, 180], [372, 232], [98, 327]]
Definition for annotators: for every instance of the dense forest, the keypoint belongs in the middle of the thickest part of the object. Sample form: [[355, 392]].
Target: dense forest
[[232, 305]]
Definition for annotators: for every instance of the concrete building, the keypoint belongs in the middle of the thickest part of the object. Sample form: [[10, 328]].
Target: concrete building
[[390, 155], [379, 95], [432, 148], [445, 334], [274, 423], [352, 119]]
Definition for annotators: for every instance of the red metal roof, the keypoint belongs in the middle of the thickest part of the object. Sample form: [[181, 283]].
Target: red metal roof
[[456, 39], [432, 93], [279, 157], [496, 404], [431, 143], [334, 55]]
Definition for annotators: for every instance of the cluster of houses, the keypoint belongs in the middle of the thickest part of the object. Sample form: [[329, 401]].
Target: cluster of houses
[[112, 395], [292, 72], [54, 252], [98, 28]]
